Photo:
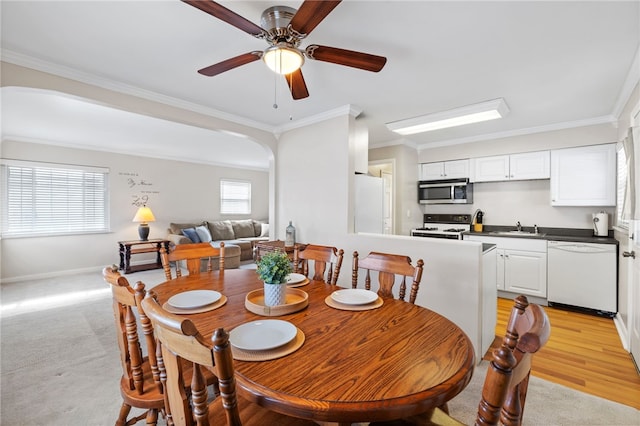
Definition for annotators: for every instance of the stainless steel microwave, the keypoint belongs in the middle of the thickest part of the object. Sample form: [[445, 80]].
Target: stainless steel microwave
[[446, 191]]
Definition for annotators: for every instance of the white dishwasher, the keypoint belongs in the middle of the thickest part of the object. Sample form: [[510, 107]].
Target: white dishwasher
[[583, 275]]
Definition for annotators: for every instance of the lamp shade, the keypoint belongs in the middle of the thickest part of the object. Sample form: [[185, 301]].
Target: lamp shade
[[283, 59], [143, 215]]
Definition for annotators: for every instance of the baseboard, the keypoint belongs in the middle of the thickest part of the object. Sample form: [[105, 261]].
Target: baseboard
[[47, 275], [622, 331]]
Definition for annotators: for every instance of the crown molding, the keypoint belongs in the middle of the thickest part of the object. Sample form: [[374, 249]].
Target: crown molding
[[131, 152], [116, 86], [632, 80], [395, 142], [605, 119], [332, 113]]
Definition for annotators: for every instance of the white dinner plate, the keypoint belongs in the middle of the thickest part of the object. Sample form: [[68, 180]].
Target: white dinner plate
[[294, 278], [262, 334], [354, 296], [194, 299]]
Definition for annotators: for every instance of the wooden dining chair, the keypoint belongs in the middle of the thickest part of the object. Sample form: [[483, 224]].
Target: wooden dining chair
[[388, 267], [140, 385], [192, 255], [320, 257], [180, 340], [505, 385]]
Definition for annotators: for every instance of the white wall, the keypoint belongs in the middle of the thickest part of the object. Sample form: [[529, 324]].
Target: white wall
[[314, 190], [176, 191]]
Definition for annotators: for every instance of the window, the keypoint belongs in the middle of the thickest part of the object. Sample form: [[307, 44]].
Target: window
[[622, 184], [52, 199], [235, 197]]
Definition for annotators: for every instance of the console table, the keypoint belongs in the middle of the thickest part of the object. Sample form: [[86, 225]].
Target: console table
[[127, 248]]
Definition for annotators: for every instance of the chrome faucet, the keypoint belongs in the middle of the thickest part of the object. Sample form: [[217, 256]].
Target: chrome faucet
[[535, 229], [518, 226]]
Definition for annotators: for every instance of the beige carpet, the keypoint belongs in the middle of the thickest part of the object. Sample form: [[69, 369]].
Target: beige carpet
[[59, 363]]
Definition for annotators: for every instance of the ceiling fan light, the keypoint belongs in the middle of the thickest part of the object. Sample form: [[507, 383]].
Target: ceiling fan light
[[469, 114], [283, 59]]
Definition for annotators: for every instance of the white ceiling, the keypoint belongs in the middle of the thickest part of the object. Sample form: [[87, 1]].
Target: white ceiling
[[557, 64]]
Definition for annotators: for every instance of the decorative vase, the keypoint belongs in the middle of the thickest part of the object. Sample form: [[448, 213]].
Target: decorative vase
[[275, 294], [290, 235]]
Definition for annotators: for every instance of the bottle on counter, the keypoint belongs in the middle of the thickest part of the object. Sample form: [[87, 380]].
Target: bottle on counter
[[290, 236]]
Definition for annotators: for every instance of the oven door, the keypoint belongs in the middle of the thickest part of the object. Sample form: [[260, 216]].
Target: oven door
[[427, 234]]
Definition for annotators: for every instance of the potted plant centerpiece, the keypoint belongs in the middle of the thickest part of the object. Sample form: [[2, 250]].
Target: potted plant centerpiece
[[273, 268]]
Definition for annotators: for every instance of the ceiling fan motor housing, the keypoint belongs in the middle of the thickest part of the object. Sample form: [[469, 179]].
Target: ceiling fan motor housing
[[275, 21]]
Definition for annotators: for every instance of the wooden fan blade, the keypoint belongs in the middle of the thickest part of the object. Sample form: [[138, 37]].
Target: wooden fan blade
[[350, 58], [230, 64], [310, 14], [296, 83], [226, 15]]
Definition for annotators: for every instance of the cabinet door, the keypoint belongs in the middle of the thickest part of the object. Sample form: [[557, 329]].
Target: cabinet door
[[487, 169], [530, 165], [525, 272], [432, 171], [584, 176], [500, 269], [456, 169]]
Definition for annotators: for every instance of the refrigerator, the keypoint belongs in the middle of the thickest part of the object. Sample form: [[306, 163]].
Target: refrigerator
[[369, 207]]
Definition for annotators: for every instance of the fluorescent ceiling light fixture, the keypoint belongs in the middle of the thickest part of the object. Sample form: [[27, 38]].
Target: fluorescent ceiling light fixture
[[475, 113], [283, 59]]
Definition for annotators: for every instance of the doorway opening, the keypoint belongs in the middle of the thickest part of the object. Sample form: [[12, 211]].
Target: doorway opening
[[385, 169]]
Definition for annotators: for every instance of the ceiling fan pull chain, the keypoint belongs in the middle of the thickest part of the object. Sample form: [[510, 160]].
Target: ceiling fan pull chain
[[275, 92]]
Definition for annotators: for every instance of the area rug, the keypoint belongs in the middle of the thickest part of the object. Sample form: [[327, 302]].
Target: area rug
[[548, 404], [60, 366]]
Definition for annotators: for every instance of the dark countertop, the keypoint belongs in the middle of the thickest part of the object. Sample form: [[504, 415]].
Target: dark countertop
[[550, 234]]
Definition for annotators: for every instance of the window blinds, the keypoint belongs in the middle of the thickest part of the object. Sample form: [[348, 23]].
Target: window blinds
[[235, 197], [52, 199]]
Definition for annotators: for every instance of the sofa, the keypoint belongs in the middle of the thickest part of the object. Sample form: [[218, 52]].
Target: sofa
[[241, 233]]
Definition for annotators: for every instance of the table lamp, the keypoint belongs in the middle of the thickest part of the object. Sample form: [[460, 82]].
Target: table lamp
[[144, 215]]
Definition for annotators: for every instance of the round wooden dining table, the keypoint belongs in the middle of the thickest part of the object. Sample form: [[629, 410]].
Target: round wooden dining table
[[391, 362]]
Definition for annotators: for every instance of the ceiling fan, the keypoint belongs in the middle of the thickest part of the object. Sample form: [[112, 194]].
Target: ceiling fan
[[284, 28]]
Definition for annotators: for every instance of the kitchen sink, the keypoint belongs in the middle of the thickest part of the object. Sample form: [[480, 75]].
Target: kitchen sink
[[518, 233]]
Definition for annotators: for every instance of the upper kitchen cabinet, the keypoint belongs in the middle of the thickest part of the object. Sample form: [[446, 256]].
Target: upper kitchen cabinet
[[444, 170], [530, 165], [584, 176]]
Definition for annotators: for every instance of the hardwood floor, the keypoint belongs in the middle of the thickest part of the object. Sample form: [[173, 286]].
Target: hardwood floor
[[584, 353]]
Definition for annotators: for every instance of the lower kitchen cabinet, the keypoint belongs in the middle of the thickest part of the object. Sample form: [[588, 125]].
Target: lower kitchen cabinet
[[525, 272], [521, 264]]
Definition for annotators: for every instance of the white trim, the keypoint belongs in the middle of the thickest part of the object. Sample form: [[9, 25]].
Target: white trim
[[144, 154], [23, 163], [47, 275], [83, 77], [622, 331], [605, 119], [333, 113], [630, 82]]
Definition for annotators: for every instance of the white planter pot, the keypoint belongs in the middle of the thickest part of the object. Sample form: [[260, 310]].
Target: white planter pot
[[275, 294]]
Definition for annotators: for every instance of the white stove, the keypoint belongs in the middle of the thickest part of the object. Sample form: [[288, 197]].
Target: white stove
[[448, 226]]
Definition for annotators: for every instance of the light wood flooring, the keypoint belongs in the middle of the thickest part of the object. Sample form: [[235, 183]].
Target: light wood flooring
[[584, 353]]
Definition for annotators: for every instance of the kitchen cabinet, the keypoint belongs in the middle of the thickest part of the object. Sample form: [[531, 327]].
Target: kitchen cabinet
[[444, 170], [584, 176], [525, 166], [521, 264]]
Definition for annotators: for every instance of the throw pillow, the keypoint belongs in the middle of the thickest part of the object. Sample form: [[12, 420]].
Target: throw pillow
[[203, 234], [191, 234], [243, 228], [221, 230], [176, 228], [265, 230]]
